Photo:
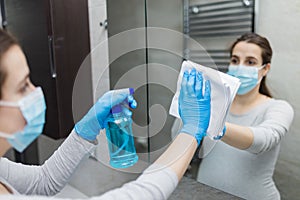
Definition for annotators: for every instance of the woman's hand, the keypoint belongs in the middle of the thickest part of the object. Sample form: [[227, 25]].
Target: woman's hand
[[91, 124], [194, 107]]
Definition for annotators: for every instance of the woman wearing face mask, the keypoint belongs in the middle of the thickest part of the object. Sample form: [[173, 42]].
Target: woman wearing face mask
[[22, 116], [243, 162]]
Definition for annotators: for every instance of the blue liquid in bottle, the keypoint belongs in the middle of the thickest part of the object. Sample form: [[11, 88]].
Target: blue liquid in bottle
[[120, 139]]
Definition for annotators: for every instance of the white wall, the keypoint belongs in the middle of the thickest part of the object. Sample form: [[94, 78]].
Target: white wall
[[279, 21], [99, 47]]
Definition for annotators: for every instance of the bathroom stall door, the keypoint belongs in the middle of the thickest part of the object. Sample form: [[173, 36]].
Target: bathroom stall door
[[68, 32], [54, 35]]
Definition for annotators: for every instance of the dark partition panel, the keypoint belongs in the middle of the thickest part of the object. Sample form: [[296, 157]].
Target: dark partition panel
[[71, 45], [54, 35]]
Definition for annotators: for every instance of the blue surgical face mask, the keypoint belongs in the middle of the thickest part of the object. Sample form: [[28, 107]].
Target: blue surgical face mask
[[33, 108], [247, 75]]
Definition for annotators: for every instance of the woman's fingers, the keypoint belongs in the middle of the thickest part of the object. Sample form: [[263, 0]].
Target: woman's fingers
[[191, 83], [198, 85], [207, 90]]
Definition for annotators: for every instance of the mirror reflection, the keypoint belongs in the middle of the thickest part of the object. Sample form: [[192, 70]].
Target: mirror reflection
[[155, 99]]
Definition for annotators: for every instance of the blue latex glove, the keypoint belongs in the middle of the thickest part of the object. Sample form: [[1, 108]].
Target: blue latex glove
[[194, 107], [91, 124]]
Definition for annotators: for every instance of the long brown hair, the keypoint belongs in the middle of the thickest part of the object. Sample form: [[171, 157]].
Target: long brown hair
[[267, 52], [6, 41]]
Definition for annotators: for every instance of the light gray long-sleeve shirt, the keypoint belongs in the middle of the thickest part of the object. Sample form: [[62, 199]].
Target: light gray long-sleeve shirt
[[248, 173], [156, 182]]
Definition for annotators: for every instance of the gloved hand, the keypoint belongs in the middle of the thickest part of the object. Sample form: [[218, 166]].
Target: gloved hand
[[194, 107], [91, 124]]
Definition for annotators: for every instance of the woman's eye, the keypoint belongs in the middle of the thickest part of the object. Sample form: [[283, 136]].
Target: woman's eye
[[251, 63], [24, 88], [234, 61]]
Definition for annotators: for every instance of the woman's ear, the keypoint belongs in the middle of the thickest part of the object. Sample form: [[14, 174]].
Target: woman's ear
[[266, 69]]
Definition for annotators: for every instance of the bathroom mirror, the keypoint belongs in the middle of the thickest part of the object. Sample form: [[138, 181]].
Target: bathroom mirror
[[155, 39]]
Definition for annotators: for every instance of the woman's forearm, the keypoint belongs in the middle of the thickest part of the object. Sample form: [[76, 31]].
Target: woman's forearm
[[237, 136], [179, 154], [160, 179]]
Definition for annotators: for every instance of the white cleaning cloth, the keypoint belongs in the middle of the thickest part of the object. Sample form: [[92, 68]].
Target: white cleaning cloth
[[223, 91]]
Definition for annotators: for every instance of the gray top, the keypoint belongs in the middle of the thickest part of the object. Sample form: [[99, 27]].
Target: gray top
[[248, 173], [156, 182], [52, 176]]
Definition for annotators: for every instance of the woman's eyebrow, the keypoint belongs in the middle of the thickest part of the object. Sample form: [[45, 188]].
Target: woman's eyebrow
[[251, 57], [235, 56]]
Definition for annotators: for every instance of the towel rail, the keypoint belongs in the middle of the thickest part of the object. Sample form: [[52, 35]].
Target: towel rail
[[205, 22]]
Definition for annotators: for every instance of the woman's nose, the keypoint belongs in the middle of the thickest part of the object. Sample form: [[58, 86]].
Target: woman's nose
[[32, 87]]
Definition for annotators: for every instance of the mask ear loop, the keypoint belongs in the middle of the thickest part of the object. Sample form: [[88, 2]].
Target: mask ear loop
[[260, 68], [9, 104], [13, 105], [7, 136]]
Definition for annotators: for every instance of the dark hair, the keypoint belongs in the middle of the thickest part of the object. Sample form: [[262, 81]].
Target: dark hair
[[266, 54], [6, 42]]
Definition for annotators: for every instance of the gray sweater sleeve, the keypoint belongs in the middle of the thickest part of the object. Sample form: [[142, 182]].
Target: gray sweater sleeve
[[269, 133], [156, 183], [52, 176]]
